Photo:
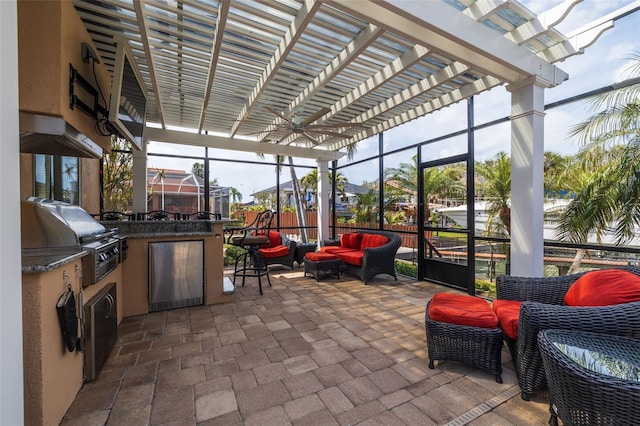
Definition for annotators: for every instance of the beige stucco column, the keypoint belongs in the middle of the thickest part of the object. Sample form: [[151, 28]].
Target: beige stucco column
[[323, 200], [527, 176], [11, 363], [140, 179]]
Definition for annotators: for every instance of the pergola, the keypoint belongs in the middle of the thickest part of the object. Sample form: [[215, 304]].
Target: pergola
[[308, 78], [232, 71]]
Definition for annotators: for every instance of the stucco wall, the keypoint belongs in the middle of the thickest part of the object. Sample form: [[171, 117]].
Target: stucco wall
[[52, 375], [50, 37]]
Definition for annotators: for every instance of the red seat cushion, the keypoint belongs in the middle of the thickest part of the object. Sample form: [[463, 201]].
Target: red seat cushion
[[272, 252], [604, 287], [373, 240], [336, 249], [319, 256], [351, 240], [508, 313], [352, 257], [462, 310]]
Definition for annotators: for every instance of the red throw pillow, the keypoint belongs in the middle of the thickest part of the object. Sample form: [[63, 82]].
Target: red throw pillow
[[604, 287], [508, 312], [274, 239], [351, 240], [373, 240], [462, 310]]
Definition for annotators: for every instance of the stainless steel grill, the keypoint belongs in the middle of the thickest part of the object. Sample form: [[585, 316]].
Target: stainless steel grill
[[58, 225]]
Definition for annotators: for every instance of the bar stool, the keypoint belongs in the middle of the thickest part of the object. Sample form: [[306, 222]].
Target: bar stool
[[251, 238]]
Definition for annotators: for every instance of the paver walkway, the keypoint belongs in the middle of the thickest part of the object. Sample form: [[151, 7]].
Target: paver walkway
[[335, 352]]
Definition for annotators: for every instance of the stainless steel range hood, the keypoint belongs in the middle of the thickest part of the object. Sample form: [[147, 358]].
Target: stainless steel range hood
[[45, 134]]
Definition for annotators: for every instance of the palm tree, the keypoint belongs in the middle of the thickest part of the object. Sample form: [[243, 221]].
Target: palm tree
[[497, 188], [366, 208], [438, 182], [309, 182], [611, 139], [559, 175], [300, 210], [236, 196], [160, 174], [341, 184]]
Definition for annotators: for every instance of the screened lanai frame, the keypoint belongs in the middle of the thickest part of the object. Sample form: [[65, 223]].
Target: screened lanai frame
[[306, 79], [479, 270]]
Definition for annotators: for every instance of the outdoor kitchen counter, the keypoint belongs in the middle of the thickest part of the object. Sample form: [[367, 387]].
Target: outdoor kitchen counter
[[43, 260], [140, 234], [163, 228]]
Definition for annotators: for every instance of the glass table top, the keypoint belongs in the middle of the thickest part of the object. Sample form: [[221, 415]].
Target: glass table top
[[608, 355]]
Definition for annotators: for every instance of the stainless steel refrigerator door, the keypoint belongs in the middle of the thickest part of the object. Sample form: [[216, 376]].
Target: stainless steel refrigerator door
[[176, 274]]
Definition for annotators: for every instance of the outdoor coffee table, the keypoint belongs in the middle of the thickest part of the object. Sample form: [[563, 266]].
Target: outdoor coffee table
[[593, 378]]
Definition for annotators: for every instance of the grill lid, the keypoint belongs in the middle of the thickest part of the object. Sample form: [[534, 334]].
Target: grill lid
[[47, 223]]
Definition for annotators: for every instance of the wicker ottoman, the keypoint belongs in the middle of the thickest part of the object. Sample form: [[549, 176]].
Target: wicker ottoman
[[463, 328], [321, 265]]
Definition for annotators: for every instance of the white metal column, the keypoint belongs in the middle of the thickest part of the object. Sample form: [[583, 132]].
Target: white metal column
[[527, 177], [11, 364], [140, 179], [323, 200]]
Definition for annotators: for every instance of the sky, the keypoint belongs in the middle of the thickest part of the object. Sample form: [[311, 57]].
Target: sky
[[604, 62]]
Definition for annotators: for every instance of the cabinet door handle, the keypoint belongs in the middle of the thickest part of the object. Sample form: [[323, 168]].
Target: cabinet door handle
[[108, 312]]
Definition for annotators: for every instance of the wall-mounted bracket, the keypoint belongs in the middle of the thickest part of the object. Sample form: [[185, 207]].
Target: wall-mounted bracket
[[85, 98]]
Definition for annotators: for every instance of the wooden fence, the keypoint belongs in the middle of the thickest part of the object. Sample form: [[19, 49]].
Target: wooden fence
[[288, 223]]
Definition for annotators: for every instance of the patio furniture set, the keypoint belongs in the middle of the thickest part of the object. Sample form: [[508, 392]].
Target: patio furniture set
[[365, 253], [551, 326]]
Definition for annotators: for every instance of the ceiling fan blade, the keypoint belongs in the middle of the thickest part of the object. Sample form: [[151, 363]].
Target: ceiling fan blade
[[313, 117], [329, 133], [285, 118], [334, 126], [308, 136], [286, 135]]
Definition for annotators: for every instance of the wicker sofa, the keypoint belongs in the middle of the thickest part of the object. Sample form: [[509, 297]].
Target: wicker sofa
[[367, 261], [543, 308]]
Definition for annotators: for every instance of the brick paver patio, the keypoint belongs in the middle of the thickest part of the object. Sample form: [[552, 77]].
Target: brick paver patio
[[334, 352]]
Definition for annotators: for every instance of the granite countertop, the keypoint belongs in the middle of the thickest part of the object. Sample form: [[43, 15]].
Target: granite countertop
[[161, 234], [43, 260], [162, 228]]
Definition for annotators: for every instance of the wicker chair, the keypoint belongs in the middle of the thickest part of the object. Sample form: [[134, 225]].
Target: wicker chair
[[287, 259], [542, 309]]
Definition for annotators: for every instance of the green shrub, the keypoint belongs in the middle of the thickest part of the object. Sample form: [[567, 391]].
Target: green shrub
[[407, 269], [486, 288], [231, 252]]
